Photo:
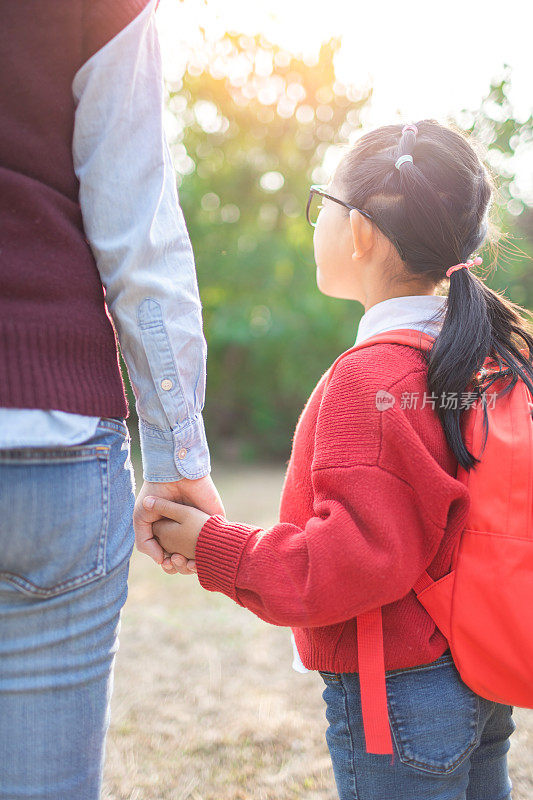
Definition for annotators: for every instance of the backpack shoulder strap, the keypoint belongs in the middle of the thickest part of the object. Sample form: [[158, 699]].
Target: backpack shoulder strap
[[406, 336], [370, 653]]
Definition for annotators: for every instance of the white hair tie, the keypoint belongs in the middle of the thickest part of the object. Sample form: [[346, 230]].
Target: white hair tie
[[402, 160]]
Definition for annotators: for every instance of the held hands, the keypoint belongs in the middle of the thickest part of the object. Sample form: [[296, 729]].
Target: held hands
[[180, 531], [200, 493]]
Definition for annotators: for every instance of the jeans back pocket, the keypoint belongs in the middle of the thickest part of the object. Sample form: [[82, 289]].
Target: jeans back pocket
[[434, 715], [54, 508]]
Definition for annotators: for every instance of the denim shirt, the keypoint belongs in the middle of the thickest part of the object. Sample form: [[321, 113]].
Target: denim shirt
[[137, 232], [407, 311]]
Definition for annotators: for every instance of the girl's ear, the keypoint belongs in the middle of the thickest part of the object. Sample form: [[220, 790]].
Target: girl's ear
[[362, 234]]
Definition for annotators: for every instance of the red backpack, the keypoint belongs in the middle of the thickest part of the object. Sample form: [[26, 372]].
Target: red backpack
[[484, 605]]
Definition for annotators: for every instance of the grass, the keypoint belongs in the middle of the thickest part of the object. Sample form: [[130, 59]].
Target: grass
[[206, 705]]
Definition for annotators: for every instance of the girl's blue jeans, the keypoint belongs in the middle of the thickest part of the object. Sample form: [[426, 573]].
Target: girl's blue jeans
[[66, 537], [449, 743]]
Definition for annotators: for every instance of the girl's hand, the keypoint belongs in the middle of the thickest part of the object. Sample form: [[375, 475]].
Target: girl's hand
[[179, 533], [200, 493]]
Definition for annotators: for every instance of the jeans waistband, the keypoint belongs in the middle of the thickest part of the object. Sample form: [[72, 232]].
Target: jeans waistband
[[445, 658], [116, 424]]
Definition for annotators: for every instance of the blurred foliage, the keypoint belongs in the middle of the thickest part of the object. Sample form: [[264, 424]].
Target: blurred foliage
[[257, 127], [249, 128], [504, 139]]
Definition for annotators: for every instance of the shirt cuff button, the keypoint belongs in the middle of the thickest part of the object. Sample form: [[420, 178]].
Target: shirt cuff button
[[166, 384], [182, 452]]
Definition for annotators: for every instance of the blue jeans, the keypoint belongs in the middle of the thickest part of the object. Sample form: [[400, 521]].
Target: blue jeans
[[66, 537], [449, 743]]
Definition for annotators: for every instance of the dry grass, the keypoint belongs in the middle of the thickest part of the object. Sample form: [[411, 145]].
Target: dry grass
[[206, 705]]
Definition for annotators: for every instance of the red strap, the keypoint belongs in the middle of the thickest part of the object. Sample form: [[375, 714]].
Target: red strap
[[423, 582], [372, 682]]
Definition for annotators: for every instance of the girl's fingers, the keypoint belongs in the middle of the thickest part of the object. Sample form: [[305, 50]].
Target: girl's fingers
[[168, 566], [186, 567], [174, 564]]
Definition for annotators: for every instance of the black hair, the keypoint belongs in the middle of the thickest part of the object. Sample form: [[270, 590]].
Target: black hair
[[435, 210]]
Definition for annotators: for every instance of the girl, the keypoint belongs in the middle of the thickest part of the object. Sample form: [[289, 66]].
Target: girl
[[370, 497]]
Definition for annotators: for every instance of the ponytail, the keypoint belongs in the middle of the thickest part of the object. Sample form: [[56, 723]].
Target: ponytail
[[478, 323]]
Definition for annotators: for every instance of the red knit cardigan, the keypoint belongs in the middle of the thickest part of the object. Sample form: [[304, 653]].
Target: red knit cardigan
[[370, 500]]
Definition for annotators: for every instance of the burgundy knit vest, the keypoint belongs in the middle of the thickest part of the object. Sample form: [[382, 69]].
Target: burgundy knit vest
[[58, 348]]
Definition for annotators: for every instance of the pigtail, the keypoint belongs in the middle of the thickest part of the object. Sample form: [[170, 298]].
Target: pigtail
[[478, 323]]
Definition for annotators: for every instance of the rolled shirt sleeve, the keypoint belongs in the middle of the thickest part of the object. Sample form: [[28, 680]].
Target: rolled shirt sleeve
[[137, 232]]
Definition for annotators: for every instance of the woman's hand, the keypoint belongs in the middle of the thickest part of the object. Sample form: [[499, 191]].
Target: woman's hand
[[200, 493], [179, 532]]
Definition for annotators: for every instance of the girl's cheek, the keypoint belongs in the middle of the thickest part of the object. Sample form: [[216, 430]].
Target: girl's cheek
[[326, 246], [320, 243]]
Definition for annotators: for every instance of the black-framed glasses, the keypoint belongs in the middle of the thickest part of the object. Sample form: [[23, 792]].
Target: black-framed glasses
[[317, 191], [313, 204]]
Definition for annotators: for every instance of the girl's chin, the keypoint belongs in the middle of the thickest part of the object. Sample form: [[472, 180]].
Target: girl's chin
[[331, 288], [323, 284]]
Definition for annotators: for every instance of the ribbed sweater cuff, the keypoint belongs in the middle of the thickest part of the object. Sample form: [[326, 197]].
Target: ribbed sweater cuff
[[218, 552]]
